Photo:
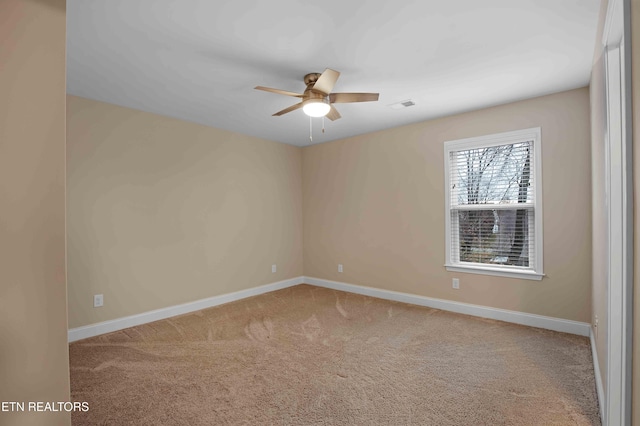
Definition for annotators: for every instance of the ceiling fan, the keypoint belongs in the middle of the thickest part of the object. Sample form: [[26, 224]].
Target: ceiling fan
[[317, 99]]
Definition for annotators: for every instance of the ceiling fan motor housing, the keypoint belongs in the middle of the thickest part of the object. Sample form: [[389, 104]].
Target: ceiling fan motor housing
[[311, 78]]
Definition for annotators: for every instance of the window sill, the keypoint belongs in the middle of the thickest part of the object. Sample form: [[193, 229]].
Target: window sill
[[499, 272]]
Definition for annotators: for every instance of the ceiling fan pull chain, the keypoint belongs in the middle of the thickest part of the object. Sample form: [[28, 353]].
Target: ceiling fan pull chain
[[323, 124], [310, 129]]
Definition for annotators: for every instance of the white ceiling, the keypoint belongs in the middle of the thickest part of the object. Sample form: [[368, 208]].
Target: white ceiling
[[199, 60]]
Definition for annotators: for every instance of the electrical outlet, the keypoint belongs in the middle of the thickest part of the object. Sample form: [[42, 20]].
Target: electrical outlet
[[98, 300], [274, 268], [595, 326], [456, 283], [339, 268]]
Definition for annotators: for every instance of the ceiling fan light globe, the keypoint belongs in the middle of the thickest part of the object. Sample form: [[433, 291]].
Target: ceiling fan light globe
[[316, 108]]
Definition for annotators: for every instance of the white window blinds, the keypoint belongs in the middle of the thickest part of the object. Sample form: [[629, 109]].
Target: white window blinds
[[492, 203]]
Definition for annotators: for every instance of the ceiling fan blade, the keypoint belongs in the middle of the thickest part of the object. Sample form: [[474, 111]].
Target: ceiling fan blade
[[326, 81], [278, 91], [286, 110], [333, 114], [353, 97]]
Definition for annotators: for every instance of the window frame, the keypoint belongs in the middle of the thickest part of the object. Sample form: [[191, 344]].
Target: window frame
[[533, 272]]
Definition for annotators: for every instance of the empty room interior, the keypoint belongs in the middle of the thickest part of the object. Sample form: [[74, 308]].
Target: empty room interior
[[339, 213]]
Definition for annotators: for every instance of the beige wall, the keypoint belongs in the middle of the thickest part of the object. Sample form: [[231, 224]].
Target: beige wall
[[635, 85], [599, 225], [375, 203], [162, 212], [33, 319]]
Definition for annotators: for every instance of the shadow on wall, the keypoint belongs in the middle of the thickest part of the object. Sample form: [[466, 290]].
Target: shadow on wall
[[56, 5]]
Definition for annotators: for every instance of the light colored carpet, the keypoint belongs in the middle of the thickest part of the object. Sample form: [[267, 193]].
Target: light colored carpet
[[312, 356]]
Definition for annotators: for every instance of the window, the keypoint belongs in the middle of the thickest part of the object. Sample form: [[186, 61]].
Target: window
[[494, 205]]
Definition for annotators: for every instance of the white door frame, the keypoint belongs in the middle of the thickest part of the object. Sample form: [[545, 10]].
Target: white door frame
[[619, 199]]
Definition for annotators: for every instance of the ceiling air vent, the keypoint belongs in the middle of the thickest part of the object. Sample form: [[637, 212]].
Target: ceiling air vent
[[402, 104]]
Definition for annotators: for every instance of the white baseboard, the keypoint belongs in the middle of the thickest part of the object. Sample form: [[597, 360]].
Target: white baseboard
[[557, 324], [596, 369], [539, 321], [170, 311]]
